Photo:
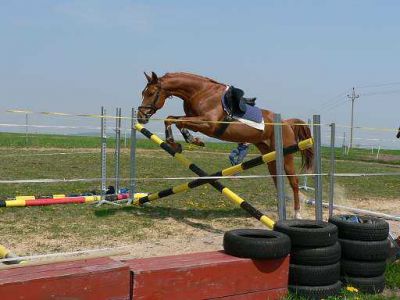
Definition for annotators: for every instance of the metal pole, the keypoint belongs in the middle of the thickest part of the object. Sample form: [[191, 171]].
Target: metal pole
[[133, 158], [103, 153], [305, 180], [344, 144], [280, 183], [317, 166], [353, 97], [117, 148], [332, 171]]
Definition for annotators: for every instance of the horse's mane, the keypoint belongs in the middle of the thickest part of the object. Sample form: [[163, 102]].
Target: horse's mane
[[191, 75]]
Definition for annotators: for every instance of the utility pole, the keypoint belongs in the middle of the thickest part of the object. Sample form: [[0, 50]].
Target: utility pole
[[353, 97]]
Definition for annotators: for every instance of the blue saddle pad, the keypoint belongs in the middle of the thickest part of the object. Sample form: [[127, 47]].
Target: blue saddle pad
[[253, 113]]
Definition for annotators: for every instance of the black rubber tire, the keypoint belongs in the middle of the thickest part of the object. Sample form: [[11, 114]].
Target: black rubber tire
[[321, 256], [371, 285], [316, 292], [256, 243], [314, 275], [308, 233], [356, 268], [371, 229], [366, 251]]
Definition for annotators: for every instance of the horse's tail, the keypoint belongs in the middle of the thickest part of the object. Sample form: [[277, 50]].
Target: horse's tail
[[302, 132]]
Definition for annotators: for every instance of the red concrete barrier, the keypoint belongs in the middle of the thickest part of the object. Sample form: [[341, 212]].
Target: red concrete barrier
[[97, 279], [208, 275]]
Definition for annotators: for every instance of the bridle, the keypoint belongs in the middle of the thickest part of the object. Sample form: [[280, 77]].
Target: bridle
[[152, 106]]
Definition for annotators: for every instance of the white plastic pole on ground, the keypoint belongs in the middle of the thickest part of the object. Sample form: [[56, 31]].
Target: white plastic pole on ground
[[359, 211], [280, 180]]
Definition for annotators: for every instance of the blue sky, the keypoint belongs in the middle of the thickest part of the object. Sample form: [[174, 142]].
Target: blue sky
[[297, 57]]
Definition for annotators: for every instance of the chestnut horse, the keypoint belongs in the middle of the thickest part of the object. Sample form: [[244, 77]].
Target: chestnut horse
[[204, 113]]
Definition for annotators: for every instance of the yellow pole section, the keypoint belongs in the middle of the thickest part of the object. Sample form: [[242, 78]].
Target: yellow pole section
[[232, 170], [153, 197], [183, 160], [269, 157], [92, 198], [24, 197], [3, 251], [138, 126], [238, 200], [267, 221], [180, 188], [156, 139], [15, 203], [303, 145]]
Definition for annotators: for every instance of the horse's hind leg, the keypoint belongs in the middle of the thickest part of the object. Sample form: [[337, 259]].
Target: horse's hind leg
[[264, 149], [294, 183]]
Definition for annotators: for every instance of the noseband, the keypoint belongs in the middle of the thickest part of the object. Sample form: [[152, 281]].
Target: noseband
[[152, 106]]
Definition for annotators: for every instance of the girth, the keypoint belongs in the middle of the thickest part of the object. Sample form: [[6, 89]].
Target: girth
[[223, 126]]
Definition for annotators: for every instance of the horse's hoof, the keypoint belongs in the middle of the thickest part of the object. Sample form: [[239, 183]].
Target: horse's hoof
[[198, 142], [178, 148], [175, 146], [297, 215]]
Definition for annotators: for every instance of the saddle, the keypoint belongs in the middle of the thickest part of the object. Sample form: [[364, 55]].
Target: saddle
[[235, 103]]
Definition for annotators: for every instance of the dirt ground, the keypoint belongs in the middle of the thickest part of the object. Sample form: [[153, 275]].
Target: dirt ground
[[193, 236]]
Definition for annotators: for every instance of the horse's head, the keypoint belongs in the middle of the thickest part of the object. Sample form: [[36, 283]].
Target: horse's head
[[153, 98], [398, 134]]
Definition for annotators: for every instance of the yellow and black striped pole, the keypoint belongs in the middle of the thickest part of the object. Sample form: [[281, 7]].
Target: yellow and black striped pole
[[259, 160], [217, 185]]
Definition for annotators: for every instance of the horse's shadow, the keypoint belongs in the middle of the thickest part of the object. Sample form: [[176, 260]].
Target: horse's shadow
[[193, 217]]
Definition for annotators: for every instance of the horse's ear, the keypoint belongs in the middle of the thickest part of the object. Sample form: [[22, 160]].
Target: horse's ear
[[148, 77], [154, 77]]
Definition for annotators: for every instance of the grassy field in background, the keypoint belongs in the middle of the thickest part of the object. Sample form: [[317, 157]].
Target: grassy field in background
[[74, 227], [37, 161], [19, 140]]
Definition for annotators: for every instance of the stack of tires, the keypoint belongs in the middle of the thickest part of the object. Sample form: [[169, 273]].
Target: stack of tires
[[365, 248], [315, 258]]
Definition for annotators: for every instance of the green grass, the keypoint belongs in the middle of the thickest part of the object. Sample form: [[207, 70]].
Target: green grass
[[393, 275], [386, 156]]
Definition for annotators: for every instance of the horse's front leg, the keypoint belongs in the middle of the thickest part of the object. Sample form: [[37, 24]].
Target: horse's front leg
[[196, 124], [189, 138], [169, 137]]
